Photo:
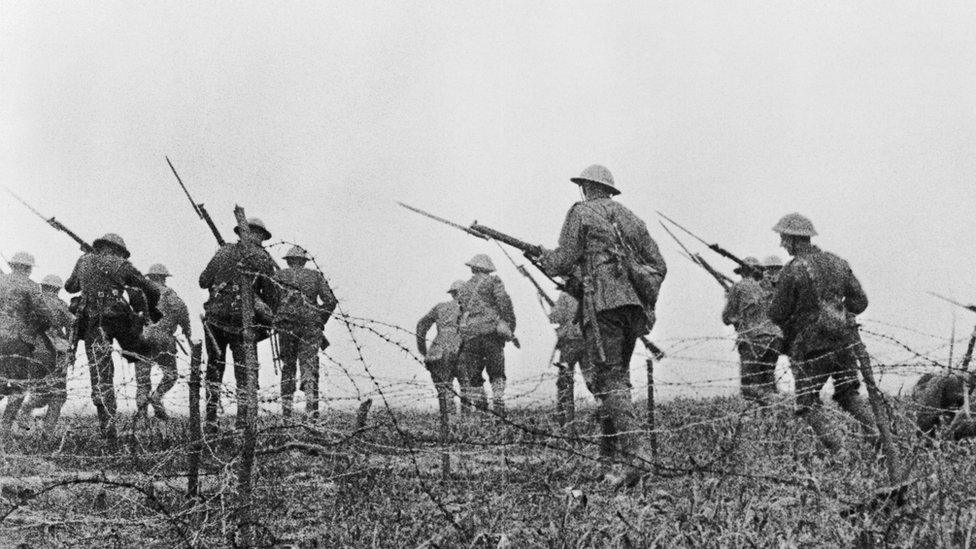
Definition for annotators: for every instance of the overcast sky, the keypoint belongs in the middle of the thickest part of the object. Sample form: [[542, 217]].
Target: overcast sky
[[317, 117]]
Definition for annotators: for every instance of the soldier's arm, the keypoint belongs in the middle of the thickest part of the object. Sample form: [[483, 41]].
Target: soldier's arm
[[730, 312], [855, 299], [423, 327], [784, 299], [132, 277], [73, 284], [208, 276], [183, 318], [562, 260], [647, 248], [503, 301], [327, 298]]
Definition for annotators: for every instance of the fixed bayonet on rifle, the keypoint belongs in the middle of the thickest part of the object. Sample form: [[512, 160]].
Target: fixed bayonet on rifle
[[198, 207], [85, 247], [444, 221], [714, 247], [724, 281], [954, 302]]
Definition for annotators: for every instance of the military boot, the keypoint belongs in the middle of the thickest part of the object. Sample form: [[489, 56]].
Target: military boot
[[286, 405], [824, 431], [498, 396], [860, 410]]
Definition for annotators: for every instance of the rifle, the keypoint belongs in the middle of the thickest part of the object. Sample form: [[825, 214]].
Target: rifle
[[724, 281], [714, 247], [85, 247], [198, 207], [954, 302]]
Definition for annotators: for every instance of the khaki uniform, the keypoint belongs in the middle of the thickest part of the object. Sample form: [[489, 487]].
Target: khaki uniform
[[103, 280], [24, 318], [306, 304], [484, 303], [758, 339], [57, 358], [589, 241], [571, 345], [441, 358], [816, 297], [160, 342], [224, 323]]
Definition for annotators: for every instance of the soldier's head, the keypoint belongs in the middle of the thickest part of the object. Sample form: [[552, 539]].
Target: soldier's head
[[111, 244], [481, 263], [22, 263], [752, 269], [158, 273], [772, 265], [259, 233], [51, 284], [296, 257], [455, 289], [794, 231], [596, 181]]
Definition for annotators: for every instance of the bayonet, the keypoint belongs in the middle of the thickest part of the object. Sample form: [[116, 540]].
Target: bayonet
[[444, 221], [85, 247], [714, 247], [198, 207]]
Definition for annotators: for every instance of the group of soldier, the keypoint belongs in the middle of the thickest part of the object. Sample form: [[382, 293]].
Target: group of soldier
[[610, 272], [115, 304]]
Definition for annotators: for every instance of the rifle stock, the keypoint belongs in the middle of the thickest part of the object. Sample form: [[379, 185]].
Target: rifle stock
[[530, 249]]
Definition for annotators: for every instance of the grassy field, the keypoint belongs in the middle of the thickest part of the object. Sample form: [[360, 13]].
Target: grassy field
[[727, 475]]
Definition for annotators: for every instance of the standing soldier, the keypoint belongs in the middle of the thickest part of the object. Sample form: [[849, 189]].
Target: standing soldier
[[441, 358], [306, 304], [24, 319], [53, 392], [572, 351], [224, 325], [160, 340], [622, 270], [758, 339], [817, 296], [487, 322], [104, 276]]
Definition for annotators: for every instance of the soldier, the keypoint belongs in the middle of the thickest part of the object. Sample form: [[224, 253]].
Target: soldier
[[160, 341], [306, 304], [104, 277], [940, 397], [816, 299], [772, 265], [24, 319], [53, 392], [487, 322], [572, 351], [441, 358], [622, 270], [224, 324], [758, 339]]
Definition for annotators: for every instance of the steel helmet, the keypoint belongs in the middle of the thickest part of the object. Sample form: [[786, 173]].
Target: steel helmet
[[113, 239], [158, 269], [796, 225], [772, 261], [456, 286], [597, 174], [53, 281], [22, 258], [255, 224], [297, 252], [751, 261], [481, 261]]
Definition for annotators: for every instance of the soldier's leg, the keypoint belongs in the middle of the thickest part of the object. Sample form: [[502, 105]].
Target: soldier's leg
[[811, 373], [217, 343], [472, 365], [14, 355], [143, 386], [308, 364], [847, 394], [758, 371], [441, 377], [58, 394], [98, 346], [495, 367], [167, 365], [242, 376], [288, 357]]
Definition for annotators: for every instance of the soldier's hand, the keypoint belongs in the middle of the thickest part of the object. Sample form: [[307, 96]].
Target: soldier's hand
[[533, 253], [516, 342]]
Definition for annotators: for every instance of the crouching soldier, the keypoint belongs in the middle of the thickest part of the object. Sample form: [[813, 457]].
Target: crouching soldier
[[441, 358], [939, 398], [53, 391]]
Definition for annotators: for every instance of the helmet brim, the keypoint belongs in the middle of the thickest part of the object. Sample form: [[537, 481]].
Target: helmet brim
[[581, 180], [265, 234], [102, 242]]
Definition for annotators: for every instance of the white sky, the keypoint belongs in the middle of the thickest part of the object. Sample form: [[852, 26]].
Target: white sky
[[317, 117]]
